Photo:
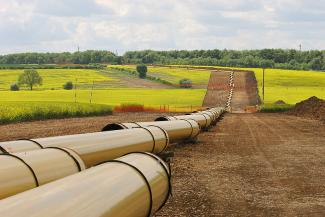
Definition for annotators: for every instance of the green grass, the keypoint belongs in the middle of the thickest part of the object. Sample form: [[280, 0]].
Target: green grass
[[276, 108], [174, 75], [114, 96], [27, 111], [55, 78]]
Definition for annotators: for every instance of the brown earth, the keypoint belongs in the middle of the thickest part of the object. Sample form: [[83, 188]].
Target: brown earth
[[251, 165], [311, 108]]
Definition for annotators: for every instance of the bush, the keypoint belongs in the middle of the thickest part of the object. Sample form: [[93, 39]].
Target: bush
[[142, 70], [68, 85], [14, 87], [185, 83]]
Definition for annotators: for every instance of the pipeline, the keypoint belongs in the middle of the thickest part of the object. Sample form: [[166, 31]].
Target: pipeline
[[44, 160], [137, 184], [205, 119], [178, 130]]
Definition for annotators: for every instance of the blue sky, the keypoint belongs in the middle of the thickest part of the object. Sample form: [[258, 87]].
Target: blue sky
[[120, 25]]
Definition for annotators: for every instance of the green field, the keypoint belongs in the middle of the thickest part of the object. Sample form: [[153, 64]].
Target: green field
[[115, 96], [56, 78], [174, 75], [291, 86], [26, 111]]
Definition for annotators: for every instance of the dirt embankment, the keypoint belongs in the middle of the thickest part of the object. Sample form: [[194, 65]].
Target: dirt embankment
[[218, 89], [313, 108]]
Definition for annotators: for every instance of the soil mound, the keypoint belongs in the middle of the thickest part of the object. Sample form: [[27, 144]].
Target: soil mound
[[311, 108]]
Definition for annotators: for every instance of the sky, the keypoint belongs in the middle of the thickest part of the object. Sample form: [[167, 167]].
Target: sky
[[122, 25]]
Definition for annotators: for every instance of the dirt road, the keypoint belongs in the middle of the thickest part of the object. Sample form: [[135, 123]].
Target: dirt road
[[251, 165], [245, 91]]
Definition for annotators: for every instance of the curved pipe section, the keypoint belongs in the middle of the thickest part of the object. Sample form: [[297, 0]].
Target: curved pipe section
[[179, 130], [26, 170], [106, 191]]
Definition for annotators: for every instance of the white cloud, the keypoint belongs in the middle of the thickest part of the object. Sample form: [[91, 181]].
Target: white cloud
[[62, 25]]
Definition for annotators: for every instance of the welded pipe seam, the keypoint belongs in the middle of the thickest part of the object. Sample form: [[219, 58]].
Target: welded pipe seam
[[26, 164], [168, 173], [32, 141], [69, 154], [141, 174], [166, 136], [153, 138], [192, 130], [3, 150]]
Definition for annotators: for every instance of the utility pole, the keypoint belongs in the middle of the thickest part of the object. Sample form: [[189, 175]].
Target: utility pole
[[91, 93], [300, 47], [263, 85], [75, 91]]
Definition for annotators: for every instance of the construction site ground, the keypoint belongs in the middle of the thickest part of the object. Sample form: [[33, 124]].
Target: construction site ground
[[249, 164]]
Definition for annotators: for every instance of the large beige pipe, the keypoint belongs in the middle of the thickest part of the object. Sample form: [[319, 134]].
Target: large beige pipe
[[179, 130], [26, 170], [135, 185], [97, 147], [203, 120]]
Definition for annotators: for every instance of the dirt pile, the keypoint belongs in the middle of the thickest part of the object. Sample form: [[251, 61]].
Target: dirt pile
[[311, 108]]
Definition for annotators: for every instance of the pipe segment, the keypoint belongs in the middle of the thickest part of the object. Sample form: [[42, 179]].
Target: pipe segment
[[106, 191], [203, 120], [178, 130], [97, 147], [26, 170]]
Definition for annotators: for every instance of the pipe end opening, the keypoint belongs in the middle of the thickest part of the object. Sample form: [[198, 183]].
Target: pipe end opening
[[112, 127]]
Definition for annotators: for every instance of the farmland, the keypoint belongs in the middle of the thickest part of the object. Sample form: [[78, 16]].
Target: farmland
[[25, 111], [199, 78], [55, 78], [291, 86], [115, 96]]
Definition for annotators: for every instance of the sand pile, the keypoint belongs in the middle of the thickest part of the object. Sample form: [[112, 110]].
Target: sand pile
[[311, 108]]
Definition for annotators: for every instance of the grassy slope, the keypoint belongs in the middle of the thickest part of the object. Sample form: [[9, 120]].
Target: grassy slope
[[55, 78], [173, 75], [115, 96], [291, 86], [25, 111]]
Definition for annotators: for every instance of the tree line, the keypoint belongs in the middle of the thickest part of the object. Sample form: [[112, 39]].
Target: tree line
[[266, 58]]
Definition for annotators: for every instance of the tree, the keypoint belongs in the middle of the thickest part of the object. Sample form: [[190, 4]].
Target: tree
[[68, 85], [142, 70], [316, 63], [185, 83], [30, 78], [14, 87]]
